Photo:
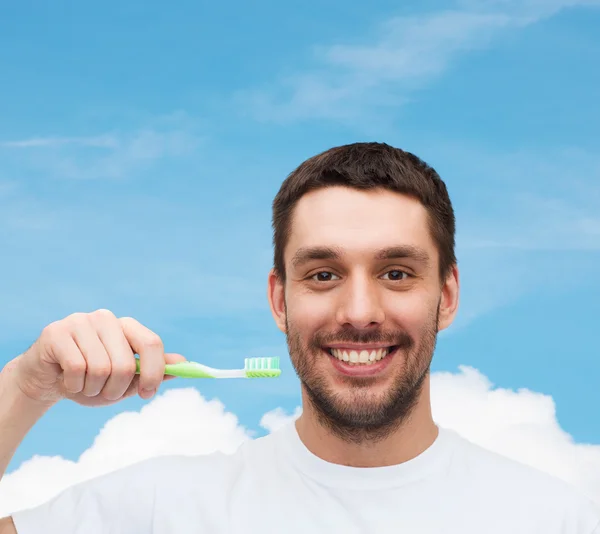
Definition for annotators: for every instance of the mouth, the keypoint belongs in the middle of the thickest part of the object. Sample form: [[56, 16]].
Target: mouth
[[361, 356], [359, 361]]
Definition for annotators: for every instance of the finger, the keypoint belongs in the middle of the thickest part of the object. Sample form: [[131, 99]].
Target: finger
[[71, 361], [132, 389], [97, 359], [119, 351], [173, 357], [152, 356], [170, 357]]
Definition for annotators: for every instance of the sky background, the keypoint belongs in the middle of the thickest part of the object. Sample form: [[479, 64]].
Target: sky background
[[141, 146]]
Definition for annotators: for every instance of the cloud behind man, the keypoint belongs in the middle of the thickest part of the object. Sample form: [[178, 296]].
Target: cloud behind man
[[519, 424]]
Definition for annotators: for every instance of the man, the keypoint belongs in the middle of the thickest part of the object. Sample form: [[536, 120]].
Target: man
[[364, 278]]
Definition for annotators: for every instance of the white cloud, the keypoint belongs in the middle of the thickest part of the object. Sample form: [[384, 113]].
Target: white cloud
[[103, 141], [277, 418], [519, 424], [355, 79], [178, 421], [109, 155]]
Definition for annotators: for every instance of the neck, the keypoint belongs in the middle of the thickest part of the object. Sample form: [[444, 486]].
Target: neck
[[406, 441]]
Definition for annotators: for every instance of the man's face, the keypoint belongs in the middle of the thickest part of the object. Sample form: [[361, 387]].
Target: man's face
[[362, 284]]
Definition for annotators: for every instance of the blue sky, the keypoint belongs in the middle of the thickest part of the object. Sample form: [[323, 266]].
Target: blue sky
[[141, 146]]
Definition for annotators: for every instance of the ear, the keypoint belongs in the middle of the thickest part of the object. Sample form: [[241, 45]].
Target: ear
[[276, 296], [450, 299]]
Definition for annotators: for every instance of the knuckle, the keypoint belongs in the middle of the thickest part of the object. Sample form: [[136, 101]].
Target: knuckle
[[103, 314], [153, 341], [54, 332], [78, 319], [127, 368], [75, 367], [100, 370], [50, 330], [127, 320]]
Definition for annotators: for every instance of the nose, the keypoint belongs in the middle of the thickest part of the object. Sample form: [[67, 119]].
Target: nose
[[359, 304]]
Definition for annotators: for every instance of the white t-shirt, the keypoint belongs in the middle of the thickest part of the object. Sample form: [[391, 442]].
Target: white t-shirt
[[274, 485]]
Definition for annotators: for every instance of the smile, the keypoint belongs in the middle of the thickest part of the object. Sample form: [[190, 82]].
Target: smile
[[354, 356]]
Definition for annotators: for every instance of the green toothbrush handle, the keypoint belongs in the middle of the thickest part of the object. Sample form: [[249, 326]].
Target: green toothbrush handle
[[182, 369]]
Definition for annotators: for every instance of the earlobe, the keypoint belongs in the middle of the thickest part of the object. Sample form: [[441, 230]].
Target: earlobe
[[450, 299], [276, 296]]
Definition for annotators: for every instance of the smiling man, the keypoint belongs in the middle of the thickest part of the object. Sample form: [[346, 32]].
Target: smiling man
[[361, 291], [364, 278]]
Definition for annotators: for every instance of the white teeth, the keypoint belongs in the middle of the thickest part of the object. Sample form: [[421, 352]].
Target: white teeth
[[363, 356]]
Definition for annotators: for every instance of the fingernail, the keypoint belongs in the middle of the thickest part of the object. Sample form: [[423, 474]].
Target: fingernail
[[148, 392]]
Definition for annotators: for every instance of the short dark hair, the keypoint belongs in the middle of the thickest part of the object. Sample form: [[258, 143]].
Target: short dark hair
[[366, 166]]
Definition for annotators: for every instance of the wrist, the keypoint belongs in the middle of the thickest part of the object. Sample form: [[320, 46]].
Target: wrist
[[18, 414], [13, 395]]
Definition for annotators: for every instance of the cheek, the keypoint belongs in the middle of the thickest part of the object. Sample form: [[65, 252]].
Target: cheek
[[414, 314], [309, 313]]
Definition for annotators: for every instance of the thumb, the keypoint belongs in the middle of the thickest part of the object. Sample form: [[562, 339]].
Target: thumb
[[173, 357]]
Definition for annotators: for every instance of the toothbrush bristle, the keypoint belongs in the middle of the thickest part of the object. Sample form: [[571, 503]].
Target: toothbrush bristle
[[262, 367]]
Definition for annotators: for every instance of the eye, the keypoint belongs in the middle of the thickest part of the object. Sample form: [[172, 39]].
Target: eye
[[322, 276], [397, 275]]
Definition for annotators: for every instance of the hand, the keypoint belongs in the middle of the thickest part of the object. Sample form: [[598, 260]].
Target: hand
[[90, 359]]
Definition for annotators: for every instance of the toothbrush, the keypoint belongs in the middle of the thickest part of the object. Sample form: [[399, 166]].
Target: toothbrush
[[253, 368]]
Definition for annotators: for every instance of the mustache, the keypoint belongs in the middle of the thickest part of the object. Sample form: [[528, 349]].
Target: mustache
[[399, 339]]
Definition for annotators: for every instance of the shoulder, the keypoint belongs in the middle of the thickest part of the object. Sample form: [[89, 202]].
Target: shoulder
[[515, 482], [129, 497], [481, 462]]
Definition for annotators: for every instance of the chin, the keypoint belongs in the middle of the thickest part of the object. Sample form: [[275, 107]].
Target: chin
[[362, 395], [371, 404]]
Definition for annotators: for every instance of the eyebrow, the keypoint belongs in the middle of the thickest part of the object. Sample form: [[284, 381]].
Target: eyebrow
[[306, 254]]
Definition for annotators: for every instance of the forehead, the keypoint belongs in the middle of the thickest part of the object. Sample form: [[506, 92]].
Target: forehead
[[359, 221]]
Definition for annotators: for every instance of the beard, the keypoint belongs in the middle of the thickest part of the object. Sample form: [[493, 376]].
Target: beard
[[358, 415]]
